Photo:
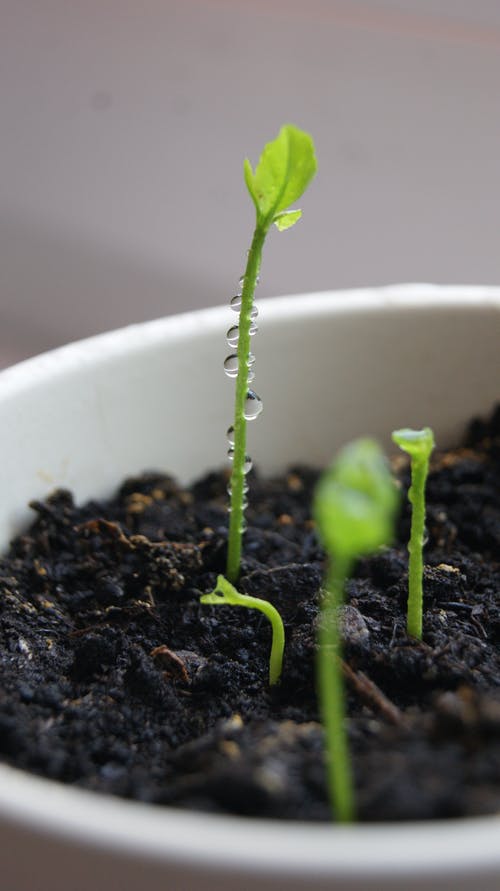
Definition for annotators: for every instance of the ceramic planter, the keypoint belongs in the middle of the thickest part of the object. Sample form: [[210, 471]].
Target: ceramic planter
[[329, 367]]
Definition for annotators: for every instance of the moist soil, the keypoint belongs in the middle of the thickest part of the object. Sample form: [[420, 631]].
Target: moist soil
[[113, 676]]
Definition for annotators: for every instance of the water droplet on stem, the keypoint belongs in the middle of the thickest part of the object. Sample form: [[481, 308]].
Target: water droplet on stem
[[244, 505], [230, 488], [248, 463], [253, 406], [232, 336], [231, 365]]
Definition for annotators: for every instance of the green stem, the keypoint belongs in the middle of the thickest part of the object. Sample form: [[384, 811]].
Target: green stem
[[416, 495], [332, 694], [240, 424]]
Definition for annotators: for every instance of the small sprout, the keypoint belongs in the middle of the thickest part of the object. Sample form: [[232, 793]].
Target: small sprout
[[419, 445], [284, 171], [225, 593], [354, 506]]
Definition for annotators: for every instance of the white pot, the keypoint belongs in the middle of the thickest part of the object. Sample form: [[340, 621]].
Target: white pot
[[329, 367]]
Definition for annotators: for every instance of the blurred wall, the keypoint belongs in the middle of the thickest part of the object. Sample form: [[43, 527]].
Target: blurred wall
[[124, 127]]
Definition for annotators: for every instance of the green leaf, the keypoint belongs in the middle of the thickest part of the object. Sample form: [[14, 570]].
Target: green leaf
[[287, 219], [416, 443], [285, 169], [355, 501], [248, 174]]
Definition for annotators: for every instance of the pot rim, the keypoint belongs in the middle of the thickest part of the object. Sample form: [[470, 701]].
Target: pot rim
[[457, 847], [140, 336], [209, 841]]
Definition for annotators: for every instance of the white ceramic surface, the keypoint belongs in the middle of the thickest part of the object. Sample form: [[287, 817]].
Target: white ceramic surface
[[329, 366]]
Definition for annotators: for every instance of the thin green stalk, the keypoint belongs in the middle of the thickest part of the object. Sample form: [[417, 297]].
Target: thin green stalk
[[354, 506], [419, 470], [418, 444], [240, 424], [332, 694]]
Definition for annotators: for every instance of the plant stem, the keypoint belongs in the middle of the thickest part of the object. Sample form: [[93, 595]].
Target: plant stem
[[332, 695], [240, 424], [416, 495]]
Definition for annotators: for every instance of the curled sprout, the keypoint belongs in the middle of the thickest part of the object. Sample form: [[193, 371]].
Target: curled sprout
[[225, 594], [354, 507], [418, 444]]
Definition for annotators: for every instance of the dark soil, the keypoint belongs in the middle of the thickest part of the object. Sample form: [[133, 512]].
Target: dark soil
[[115, 678]]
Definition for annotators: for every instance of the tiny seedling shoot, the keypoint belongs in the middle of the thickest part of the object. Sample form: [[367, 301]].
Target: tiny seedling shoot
[[418, 444], [354, 507], [284, 171], [225, 593]]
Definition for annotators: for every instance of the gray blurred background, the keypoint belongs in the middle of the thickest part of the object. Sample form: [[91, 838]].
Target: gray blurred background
[[124, 126]]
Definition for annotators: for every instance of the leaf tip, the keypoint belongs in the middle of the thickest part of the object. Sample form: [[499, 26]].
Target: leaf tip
[[287, 219], [249, 179]]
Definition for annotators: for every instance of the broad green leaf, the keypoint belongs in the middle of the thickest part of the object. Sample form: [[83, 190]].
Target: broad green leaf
[[355, 501], [287, 219], [285, 169]]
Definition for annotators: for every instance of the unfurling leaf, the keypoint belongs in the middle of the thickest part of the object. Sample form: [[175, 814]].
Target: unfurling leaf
[[287, 219], [285, 169]]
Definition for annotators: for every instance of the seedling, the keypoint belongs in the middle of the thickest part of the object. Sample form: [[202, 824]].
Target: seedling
[[354, 507], [225, 594], [284, 171], [419, 445]]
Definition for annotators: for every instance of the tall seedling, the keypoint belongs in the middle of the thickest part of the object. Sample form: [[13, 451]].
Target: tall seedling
[[284, 171]]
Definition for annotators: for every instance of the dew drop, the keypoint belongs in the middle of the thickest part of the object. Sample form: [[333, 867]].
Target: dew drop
[[253, 406], [253, 329], [254, 312], [230, 490], [251, 360], [243, 526], [241, 280], [425, 538], [230, 435], [232, 336], [244, 504], [250, 376], [231, 365], [247, 465], [235, 302]]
